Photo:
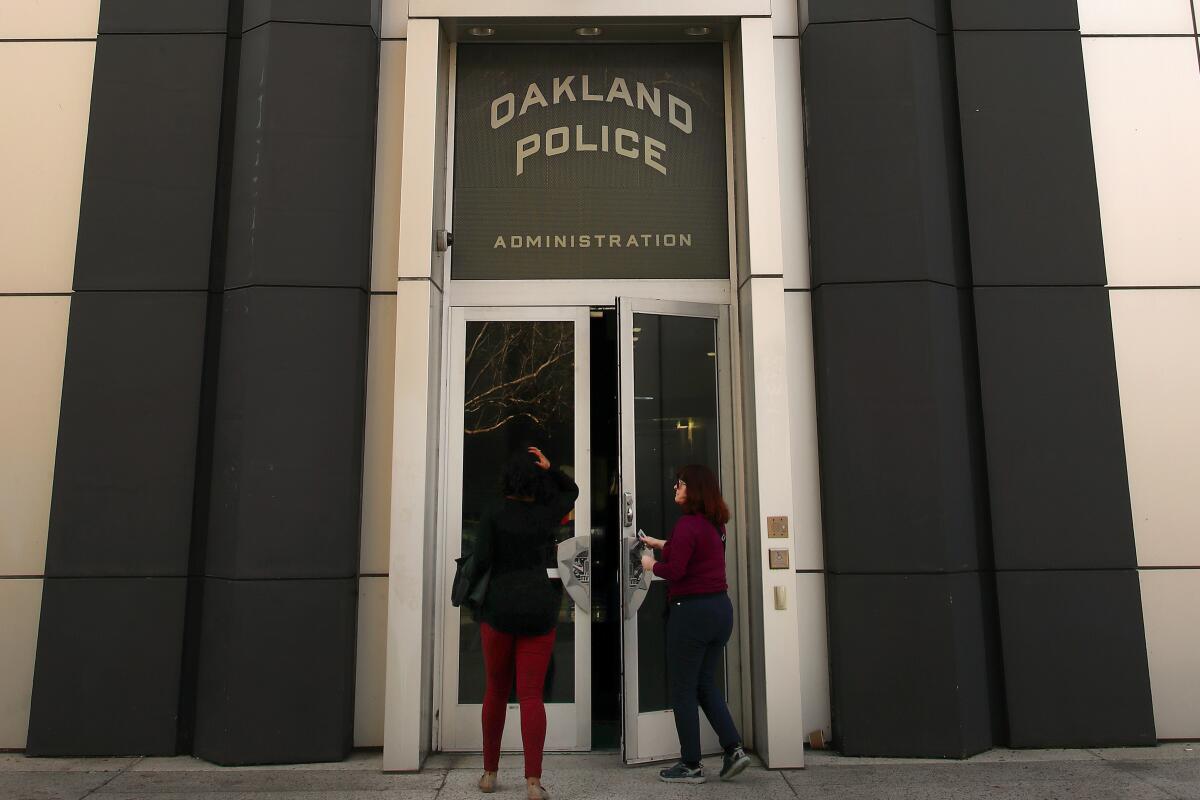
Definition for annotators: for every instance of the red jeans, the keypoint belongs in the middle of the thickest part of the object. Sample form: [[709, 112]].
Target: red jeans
[[528, 657]]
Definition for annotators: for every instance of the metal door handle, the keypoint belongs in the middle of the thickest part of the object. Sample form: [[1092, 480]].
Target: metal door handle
[[628, 510]]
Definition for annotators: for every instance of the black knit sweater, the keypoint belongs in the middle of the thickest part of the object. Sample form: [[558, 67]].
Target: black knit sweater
[[516, 539]]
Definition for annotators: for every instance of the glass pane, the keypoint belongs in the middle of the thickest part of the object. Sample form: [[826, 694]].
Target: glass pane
[[519, 389], [675, 424]]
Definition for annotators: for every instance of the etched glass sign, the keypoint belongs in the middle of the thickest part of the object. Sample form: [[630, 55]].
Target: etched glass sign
[[590, 161]]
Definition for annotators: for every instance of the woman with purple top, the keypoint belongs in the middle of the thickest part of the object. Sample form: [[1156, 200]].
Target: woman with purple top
[[692, 562]]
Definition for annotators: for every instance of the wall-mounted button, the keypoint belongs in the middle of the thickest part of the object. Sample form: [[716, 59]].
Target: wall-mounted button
[[778, 559]]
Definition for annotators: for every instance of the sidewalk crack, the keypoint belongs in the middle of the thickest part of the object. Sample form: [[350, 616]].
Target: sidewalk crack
[[116, 775], [442, 785], [1124, 768], [789, 784]]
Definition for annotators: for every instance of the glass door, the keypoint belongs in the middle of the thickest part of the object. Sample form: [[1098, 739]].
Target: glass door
[[517, 376], [675, 401]]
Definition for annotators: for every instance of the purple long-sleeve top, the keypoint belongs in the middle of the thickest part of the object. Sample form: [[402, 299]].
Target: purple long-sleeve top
[[693, 560]]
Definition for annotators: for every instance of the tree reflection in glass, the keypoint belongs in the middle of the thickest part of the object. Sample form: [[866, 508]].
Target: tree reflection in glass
[[519, 389]]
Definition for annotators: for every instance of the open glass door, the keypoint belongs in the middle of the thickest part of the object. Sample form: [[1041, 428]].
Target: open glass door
[[517, 375], [675, 401]]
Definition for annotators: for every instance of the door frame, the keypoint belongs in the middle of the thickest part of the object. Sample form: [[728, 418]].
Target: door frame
[[456, 294], [519, 300]]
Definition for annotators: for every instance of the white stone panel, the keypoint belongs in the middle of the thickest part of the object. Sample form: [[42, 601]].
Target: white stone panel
[[45, 98], [1157, 337], [371, 662], [389, 154], [1144, 95], [377, 445], [785, 19], [33, 343], [802, 397], [20, 608], [776, 670], [814, 653], [395, 19], [49, 19], [422, 193], [1172, 617], [411, 565], [1135, 16], [793, 196], [761, 250]]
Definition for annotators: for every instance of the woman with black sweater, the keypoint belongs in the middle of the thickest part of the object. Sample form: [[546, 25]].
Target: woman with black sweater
[[518, 617]]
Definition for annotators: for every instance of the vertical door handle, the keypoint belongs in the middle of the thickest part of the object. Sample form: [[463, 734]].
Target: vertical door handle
[[628, 515]]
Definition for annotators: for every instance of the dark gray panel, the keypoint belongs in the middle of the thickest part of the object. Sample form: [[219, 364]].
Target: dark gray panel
[[123, 473], [914, 665], [303, 170], [901, 472], [883, 195], [146, 214], [106, 679], [287, 449], [934, 13], [163, 16], [341, 12], [276, 681], [1015, 15], [1052, 420], [1075, 659], [1027, 149]]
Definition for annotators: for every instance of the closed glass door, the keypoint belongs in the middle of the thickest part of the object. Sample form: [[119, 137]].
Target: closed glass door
[[675, 403], [517, 376]]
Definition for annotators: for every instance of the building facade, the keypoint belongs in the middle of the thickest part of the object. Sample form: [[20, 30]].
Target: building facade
[[284, 280]]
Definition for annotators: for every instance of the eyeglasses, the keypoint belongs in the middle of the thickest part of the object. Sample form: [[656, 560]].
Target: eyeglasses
[[678, 482]]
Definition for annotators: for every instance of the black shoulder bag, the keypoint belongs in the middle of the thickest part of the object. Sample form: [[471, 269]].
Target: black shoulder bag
[[469, 587]]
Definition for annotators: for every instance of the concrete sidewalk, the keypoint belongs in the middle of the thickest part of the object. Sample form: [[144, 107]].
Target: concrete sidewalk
[[1162, 773]]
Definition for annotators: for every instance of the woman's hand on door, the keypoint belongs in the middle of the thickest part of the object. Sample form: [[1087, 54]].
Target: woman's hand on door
[[650, 541]]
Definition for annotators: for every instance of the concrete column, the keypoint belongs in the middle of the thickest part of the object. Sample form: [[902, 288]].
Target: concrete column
[[412, 601], [774, 666]]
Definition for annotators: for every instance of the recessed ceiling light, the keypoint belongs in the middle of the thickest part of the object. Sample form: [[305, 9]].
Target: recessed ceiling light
[[588, 31], [480, 30], [697, 30]]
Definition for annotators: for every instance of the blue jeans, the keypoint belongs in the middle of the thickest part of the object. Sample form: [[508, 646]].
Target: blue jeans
[[697, 632]]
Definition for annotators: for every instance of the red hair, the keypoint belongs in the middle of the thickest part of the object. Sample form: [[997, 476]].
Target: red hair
[[703, 494]]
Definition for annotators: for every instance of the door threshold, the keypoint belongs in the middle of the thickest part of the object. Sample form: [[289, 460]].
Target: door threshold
[[515, 760]]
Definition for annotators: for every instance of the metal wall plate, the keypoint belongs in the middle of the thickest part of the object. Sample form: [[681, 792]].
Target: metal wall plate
[[777, 527]]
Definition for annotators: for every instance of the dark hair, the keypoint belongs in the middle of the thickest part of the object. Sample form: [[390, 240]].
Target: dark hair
[[703, 494], [521, 476]]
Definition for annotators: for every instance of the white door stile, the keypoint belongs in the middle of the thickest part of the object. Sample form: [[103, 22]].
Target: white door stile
[[568, 724], [651, 736]]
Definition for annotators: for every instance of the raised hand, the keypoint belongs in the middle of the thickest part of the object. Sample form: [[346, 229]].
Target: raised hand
[[542, 461]]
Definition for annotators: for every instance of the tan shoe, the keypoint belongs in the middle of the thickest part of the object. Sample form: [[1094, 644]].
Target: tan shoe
[[487, 784], [535, 791]]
